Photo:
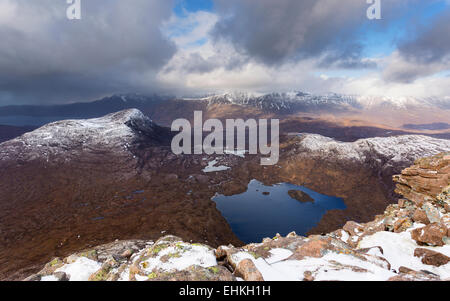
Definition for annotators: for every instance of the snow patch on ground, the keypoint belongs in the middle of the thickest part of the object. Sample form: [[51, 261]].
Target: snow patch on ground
[[398, 249], [278, 255], [332, 266], [49, 278], [81, 269], [212, 168], [180, 258], [238, 153]]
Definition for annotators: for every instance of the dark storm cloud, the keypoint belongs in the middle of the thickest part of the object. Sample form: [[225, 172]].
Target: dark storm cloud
[[346, 58], [427, 53], [44, 57], [195, 63], [276, 31], [431, 45]]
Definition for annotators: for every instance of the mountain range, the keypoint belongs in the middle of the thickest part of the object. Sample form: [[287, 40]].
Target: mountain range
[[343, 117]]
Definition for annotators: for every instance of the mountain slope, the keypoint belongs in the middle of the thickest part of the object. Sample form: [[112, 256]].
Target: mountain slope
[[62, 139], [74, 183]]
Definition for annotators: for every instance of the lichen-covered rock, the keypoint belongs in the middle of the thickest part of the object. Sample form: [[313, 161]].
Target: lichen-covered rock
[[402, 224], [432, 212], [168, 259], [171, 258]]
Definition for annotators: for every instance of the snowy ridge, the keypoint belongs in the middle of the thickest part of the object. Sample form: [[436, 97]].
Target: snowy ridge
[[301, 100], [116, 132], [389, 151], [284, 101]]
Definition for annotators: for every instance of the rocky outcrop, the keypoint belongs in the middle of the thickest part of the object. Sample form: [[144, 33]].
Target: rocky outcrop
[[425, 180]]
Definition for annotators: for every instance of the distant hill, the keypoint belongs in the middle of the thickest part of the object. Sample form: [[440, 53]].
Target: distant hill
[[10, 132], [437, 126]]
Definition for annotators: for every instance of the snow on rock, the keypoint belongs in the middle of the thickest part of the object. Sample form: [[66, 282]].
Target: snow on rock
[[278, 254], [301, 100], [331, 266], [398, 249], [81, 269], [283, 101], [180, 257], [166, 259], [49, 278]]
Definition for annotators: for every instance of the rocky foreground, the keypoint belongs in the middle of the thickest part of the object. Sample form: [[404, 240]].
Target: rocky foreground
[[409, 242]]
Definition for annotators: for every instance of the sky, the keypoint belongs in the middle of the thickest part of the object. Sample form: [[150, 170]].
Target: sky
[[195, 47]]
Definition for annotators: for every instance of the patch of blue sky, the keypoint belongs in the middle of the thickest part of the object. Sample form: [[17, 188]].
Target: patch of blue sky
[[382, 37], [186, 24], [445, 73], [185, 6]]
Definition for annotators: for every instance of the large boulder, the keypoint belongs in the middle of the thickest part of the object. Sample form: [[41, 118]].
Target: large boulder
[[420, 216], [431, 257], [247, 270], [432, 234]]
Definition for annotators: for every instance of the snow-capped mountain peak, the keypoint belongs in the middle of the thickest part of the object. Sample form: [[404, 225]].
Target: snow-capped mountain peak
[[114, 132]]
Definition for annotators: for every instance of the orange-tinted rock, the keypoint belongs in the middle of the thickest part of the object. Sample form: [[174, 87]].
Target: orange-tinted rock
[[314, 248], [425, 180], [247, 270], [420, 217], [431, 234], [402, 224], [431, 257], [353, 228]]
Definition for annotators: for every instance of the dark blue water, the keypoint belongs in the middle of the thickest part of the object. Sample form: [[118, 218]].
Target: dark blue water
[[254, 216]]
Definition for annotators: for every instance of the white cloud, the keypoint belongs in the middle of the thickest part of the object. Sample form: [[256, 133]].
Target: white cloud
[[189, 30], [218, 66]]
